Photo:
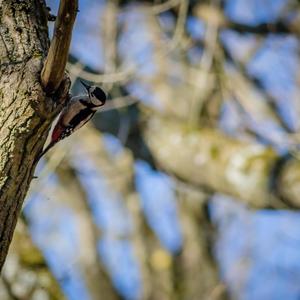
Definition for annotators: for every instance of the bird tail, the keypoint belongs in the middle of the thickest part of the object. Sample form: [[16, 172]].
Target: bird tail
[[44, 151]]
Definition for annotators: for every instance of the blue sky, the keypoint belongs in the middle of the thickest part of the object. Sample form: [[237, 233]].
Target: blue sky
[[266, 243]]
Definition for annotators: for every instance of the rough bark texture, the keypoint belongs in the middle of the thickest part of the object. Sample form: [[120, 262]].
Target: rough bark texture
[[25, 112]]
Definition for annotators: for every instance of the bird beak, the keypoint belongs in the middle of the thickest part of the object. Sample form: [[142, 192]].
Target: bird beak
[[85, 85]]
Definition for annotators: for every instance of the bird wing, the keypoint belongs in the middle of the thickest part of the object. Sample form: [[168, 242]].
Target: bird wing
[[62, 131], [82, 118]]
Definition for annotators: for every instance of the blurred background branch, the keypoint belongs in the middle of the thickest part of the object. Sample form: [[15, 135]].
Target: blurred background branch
[[186, 185]]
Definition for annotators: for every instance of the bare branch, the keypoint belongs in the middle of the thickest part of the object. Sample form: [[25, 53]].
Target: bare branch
[[280, 27], [119, 75], [53, 71], [162, 7], [212, 160]]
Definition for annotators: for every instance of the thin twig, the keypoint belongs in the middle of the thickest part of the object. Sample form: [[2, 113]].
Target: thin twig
[[117, 76], [54, 67], [205, 65], [163, 7], [180, 24], [119, 102]]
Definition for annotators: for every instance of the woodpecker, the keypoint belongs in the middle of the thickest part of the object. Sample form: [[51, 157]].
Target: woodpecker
[[78, 111]]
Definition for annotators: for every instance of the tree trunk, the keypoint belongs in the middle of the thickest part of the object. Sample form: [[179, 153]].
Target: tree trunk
[[25, 111]]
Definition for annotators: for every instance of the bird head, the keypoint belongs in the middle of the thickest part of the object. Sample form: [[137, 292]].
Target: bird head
[[96, 95]]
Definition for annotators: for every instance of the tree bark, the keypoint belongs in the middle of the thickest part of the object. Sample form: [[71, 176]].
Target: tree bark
[[26, 112]]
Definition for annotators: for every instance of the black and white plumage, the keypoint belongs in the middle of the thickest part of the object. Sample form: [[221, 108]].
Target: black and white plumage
[[78, 111]]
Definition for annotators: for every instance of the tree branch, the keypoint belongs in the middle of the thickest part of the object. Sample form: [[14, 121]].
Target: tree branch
[[26, 113], [222, 164], [254, 84], [279, 27], [54, 67]]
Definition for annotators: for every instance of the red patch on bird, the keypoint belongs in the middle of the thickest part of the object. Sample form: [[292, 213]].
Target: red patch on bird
[[56, 134]]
